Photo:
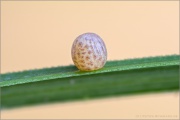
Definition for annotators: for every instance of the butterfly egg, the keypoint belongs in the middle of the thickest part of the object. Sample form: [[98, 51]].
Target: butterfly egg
[[89, 52]]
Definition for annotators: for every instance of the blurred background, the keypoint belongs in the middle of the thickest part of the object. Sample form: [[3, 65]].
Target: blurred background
[[39, 34]]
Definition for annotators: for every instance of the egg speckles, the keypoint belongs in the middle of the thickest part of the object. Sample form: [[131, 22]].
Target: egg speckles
[[89, 52]]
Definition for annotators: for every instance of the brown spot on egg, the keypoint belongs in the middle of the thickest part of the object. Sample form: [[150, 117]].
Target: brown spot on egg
[[88, 68], [90, 63], [83, 53], [80, 44], [82, 65], [87, 57], [86, 46], [78, 54], [89, 52], [100, 58], [94, 56], [82, 61]]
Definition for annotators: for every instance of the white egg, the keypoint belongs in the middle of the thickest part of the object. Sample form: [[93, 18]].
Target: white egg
[[89, 52]]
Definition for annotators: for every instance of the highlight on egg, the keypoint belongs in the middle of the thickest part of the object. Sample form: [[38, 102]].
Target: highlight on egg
[[89, 52]]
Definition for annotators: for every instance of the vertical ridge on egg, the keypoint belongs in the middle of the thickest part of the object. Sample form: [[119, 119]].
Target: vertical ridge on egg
[[89, 52]]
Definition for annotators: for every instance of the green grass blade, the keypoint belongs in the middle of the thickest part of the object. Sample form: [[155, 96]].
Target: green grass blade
[[123, 77], [70, 71]]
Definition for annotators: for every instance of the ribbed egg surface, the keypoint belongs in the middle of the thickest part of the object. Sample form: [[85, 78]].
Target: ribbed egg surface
[[89, 52]]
